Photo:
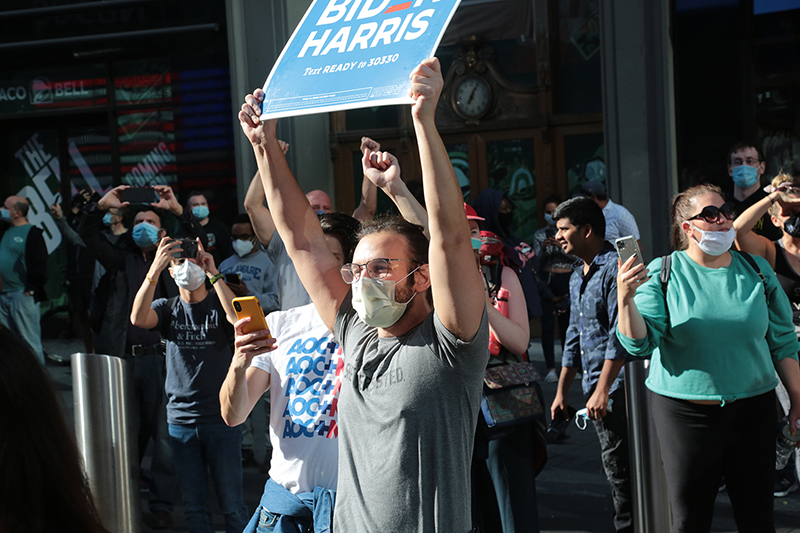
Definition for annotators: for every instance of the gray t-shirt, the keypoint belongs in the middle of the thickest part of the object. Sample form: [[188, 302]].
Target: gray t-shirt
[[291, 292], [407, 414]]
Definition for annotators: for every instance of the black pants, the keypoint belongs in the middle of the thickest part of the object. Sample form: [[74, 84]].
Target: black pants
[[612, 431], [559, 286], [702, 443]]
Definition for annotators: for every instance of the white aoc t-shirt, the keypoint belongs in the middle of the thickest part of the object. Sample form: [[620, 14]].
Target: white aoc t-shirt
[[305, 372]]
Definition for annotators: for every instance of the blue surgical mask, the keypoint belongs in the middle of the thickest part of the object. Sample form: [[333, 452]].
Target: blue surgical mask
[[5, 214], [200, 211], [107, 219], [745, 176], [145, 235], [476, 243], [548, 217]]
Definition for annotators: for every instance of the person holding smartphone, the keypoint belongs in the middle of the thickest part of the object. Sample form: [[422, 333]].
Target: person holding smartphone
[[718, 329], [198, 353], [249, 270], [592, 346], [304, 438]]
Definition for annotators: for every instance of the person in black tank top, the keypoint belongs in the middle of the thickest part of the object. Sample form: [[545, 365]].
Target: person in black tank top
[[783, 205]]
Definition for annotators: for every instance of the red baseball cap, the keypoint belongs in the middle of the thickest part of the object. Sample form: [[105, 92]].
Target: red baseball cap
[[471, 213]]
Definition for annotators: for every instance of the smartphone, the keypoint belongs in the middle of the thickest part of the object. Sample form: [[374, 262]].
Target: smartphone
[[627, 247], [189, 247], [233, 277], [140, 195], [250, 306]]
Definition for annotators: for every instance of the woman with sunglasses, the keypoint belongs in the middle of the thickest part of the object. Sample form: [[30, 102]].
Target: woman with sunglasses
[[717, 331]]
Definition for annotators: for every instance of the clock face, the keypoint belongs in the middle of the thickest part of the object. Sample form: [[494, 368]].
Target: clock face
[[472, 97]]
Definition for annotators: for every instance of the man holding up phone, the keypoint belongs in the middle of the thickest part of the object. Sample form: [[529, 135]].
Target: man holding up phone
[[198, 355], [127, 264], [592, 344]]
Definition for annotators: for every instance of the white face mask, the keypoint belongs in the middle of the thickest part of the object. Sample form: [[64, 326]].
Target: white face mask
[[188, 276], [715, 242], [373, 300], [242, 248]]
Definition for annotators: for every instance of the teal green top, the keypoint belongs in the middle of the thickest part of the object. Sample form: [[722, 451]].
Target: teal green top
[[12, 258], [723, 338]]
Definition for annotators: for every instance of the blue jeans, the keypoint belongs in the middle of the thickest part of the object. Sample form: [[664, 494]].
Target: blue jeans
[[511, 465], [219, 448], [20, 313]]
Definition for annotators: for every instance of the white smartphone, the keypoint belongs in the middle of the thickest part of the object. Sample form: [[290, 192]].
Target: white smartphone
[[627, 247]]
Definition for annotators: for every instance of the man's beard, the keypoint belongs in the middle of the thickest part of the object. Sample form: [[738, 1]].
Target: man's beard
[[403, 293]]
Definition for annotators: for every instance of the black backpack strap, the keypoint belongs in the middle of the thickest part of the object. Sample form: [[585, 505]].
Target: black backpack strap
[[663, 276], [752, 262]]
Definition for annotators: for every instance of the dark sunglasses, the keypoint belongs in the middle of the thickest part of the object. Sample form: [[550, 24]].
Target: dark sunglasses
[[711, 213]]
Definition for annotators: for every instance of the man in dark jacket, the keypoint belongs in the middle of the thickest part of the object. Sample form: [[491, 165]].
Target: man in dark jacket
[[23, 273], [126, 266]]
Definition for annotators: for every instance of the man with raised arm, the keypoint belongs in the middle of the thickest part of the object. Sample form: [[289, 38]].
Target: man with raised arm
[[412, 379]]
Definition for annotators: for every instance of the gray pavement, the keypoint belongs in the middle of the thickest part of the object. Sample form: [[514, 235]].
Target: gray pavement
[[572, 492]]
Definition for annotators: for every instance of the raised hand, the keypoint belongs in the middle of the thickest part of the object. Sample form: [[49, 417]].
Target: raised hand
[[163, 257], [630, 278], [426, 87], [168, 202], [380, 168], [372, 144], [205, 260], [55, 210], [257, 132], [113, 198], [249, 345]]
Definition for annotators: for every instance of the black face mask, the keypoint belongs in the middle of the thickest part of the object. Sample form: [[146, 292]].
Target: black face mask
[[505, 219], [792, 226]]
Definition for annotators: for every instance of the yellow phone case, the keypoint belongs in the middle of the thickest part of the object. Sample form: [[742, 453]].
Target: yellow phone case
[[250, 306]]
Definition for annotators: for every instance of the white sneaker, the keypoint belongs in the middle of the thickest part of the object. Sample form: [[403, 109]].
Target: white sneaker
[[551, 377]]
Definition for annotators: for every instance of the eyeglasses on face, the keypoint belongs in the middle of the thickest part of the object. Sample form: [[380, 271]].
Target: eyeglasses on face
[[711, 213], [376, 269]]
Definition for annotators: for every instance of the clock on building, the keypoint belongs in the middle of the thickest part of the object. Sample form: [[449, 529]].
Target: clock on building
[[472, 97]]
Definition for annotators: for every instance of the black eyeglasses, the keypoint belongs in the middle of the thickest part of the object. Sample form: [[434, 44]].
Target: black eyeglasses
[[376, 269], [711, 213]]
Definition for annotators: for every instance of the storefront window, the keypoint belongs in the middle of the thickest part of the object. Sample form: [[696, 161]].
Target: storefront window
[[512, 170], [142, 82], [90, 165], [578, 54], [147, 147], [584, 157]]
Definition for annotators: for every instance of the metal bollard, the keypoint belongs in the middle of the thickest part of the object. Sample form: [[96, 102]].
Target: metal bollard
[[105, 431], [651, 512]]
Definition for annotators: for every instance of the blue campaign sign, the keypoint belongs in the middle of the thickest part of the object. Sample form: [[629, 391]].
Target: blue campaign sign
[[347, 54]]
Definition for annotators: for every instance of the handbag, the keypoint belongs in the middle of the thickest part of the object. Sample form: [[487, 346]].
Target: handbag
[[512, 396]]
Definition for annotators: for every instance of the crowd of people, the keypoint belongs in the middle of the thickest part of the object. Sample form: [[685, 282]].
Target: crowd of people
[[381, 332]]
